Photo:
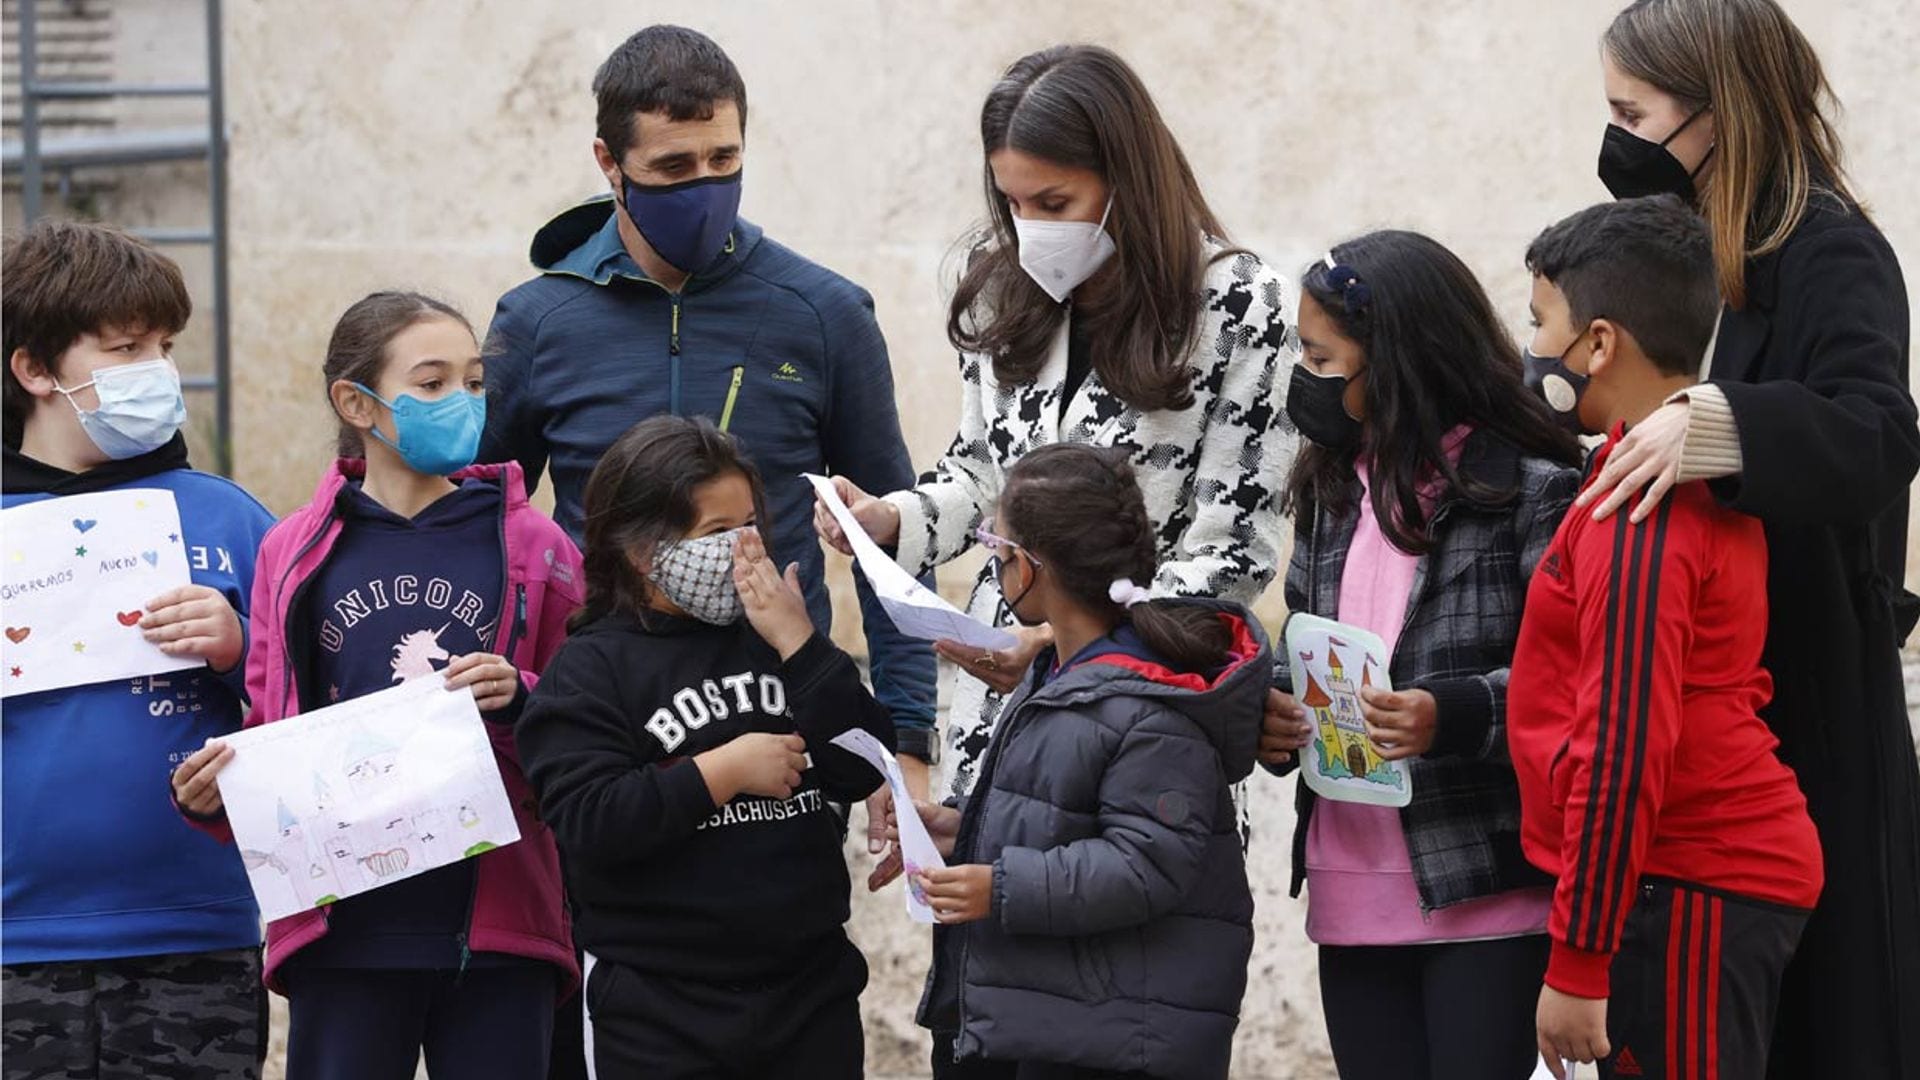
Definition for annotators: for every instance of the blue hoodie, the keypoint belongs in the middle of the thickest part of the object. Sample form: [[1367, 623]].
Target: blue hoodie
[[777, 350], [98, 864]]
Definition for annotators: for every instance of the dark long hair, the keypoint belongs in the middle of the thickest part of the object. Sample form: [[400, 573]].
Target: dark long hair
[[1436, 357], [1078, 509], [641, 495], [1082, 106], [357, 351]]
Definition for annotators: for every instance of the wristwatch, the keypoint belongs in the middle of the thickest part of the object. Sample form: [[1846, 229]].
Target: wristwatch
[[923, 743]]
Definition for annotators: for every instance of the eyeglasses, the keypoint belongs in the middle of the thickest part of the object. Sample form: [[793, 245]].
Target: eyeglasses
[[997, 544]]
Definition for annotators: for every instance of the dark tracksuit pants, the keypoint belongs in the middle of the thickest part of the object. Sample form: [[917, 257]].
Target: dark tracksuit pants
[[802, 1025], [1696, 984]]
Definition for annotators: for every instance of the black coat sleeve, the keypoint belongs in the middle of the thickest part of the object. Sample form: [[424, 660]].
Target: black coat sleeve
[[827, 698], [1832, 439], [606, 798]]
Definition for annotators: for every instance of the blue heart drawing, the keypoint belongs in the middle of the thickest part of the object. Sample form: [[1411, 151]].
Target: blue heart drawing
[[152, 557], [83, 524]]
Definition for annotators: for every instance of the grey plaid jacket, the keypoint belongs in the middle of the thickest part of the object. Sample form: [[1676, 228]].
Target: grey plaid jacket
[[1463, 618]]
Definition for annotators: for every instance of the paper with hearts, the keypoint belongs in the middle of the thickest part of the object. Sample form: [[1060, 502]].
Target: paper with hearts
[[362, 794], [75, 575]]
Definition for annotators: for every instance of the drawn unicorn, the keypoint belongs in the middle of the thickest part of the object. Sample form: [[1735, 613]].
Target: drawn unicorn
[[415, 654]]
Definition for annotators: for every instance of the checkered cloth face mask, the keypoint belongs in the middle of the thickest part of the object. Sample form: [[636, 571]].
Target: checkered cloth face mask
[[698, 576]]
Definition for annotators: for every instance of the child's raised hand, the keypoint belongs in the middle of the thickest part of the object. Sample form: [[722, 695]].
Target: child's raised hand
[[1402, 724], [194, 620], [959, 894], [193, 780], [757, 763], [1284, 729], [775, 605], [493, 678]]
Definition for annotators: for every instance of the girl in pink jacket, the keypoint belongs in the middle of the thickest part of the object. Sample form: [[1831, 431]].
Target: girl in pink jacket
[[410, 561]]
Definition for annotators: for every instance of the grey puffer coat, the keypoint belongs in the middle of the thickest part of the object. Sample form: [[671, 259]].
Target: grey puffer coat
[[1122, 920]]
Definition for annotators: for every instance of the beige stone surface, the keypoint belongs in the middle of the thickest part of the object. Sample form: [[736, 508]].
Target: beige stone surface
[[419, 144]]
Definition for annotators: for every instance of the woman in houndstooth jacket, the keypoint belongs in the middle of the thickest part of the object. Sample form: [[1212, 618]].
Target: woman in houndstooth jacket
[[1102, 305]]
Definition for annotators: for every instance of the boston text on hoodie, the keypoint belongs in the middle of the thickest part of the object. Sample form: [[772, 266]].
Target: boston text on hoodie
[[665, 881], [97, 865]]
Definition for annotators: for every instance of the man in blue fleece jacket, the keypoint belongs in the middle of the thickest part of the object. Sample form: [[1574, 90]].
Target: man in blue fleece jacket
[[129, 943], [658, 298]]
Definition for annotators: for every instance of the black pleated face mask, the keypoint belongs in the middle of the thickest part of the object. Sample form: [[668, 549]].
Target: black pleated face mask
[[1317, 404], [1633, 167]]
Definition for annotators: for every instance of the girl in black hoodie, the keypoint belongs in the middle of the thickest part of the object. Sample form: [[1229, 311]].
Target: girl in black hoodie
[[679, 744]]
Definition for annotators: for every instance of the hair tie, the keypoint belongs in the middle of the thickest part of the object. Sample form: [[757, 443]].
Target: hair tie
[[1125, 593], [1354, 293]]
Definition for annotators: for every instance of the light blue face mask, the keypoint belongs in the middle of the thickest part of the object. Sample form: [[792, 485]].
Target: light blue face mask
[[437, 438], [141, 407]]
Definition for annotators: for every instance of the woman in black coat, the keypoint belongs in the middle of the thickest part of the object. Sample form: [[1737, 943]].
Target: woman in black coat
[[1806, 423]]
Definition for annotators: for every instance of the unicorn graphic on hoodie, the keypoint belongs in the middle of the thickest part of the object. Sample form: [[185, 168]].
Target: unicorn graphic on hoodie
[[417, 652]]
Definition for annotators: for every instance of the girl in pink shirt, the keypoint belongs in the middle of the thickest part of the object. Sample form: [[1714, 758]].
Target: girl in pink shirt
[[1432, 483]]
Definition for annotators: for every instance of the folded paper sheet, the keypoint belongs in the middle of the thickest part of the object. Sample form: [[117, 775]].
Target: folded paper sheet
[[916, 610], [916, 846]]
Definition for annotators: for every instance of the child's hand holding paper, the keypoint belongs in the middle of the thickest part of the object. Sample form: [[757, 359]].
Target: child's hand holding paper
[[196, 621]]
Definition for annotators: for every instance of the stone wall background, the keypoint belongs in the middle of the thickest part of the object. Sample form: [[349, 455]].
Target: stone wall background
[[380, 143]]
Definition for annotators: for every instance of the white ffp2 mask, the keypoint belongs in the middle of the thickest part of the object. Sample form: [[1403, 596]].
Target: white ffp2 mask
[[1059, 255]]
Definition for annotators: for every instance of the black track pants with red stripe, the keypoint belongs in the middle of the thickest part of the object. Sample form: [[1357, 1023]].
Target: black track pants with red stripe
[[1696, 983]]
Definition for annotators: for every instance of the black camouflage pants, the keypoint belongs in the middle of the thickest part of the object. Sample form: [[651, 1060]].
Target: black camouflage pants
[[186, 1016]]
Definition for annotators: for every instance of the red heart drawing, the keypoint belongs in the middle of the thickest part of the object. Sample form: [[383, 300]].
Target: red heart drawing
[[128, 618], [18, 634]]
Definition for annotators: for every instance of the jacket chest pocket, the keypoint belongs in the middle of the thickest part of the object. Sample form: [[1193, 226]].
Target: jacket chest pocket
[[765, 400]]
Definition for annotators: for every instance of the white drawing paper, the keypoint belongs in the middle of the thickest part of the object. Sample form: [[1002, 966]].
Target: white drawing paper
[[917, 852], [78, 572], [1332, 662], [362, 794], [916, 610]]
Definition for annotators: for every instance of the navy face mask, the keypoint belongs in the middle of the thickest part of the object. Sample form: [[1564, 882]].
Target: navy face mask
[[687, 223]]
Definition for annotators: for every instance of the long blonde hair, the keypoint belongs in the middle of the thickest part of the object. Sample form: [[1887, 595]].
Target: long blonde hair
[[1774, 136]]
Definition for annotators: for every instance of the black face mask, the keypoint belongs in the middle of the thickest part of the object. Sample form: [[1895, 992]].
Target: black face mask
[[1631, 166], [1013, 602], [1317, 405], [1558, 385]]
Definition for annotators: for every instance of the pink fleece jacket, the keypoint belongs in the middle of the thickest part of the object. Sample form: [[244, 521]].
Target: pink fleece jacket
[[519, 907]]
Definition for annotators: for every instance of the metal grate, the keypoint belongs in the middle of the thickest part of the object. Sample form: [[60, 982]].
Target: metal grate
[[60, 118]]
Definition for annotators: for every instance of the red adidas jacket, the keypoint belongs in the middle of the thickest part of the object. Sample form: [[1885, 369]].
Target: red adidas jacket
[[1631, 718]]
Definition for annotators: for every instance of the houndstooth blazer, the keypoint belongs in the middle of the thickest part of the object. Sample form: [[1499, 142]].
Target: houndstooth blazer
[[1211, 473]]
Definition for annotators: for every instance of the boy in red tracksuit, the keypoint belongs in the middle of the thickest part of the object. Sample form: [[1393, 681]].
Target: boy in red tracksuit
[[1685, 859]]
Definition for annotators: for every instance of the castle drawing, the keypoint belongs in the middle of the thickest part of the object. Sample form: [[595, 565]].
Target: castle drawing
[[1341, 734]]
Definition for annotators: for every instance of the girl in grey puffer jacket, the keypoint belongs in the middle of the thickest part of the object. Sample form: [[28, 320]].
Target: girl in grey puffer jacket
[[1095, 918]]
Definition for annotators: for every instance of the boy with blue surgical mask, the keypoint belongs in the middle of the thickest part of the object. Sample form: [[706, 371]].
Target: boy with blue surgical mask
[[129, 946]]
